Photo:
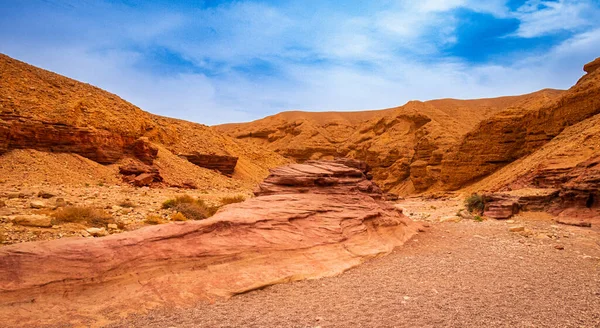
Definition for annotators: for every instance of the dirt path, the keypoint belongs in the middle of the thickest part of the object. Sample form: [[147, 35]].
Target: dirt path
[[465, 274]]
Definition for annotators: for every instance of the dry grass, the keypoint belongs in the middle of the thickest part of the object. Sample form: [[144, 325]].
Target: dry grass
[[154, 219], [127, 204], [85, 215], [232, 199], [191, 208], [178, 217]]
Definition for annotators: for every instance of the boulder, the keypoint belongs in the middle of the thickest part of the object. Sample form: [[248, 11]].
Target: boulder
[[307, 221], [41, 221], [144, 179]]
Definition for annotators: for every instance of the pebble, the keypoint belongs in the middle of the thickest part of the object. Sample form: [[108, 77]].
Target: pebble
[[559, 247], [516, 228], [37, 204]]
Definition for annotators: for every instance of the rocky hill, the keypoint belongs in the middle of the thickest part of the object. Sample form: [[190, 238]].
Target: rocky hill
[[514, 133], [44, 111], [403, 145]]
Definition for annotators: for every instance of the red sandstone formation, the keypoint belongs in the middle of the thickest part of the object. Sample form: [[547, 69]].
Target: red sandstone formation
[[308, 221], [44, 111], [222, 163], [518, 132], [403, 145]]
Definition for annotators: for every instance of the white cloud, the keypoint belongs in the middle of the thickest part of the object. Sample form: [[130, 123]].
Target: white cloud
[[562, 15]]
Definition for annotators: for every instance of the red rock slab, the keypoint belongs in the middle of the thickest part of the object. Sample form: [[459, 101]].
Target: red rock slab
[[265, 240]]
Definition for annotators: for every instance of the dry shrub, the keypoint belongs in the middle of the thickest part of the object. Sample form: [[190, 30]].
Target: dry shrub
[[127, 204], [154, 219], [85, 215], [191, 208], [232, 199], [171, 203], [178, 217]]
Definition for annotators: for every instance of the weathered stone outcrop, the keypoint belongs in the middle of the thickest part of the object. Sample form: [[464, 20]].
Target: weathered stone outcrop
[[140, 174], [518, 132], [504, 205], [297, 228], [102, 146], [222, 163], [404, 145]]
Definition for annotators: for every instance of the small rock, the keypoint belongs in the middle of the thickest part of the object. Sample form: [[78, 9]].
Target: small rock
[[12, 195], [55, 226], [112, 226], [510, 221], [60, 202], [42, 221], [37, 204], [559, 247], [2, 203], [85, 233], [97, 232], [516, 228], [45, 195], [454, 219]]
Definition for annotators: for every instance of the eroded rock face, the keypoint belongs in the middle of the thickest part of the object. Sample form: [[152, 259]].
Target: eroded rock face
[[515, 133], [222, 163], [297, 228]]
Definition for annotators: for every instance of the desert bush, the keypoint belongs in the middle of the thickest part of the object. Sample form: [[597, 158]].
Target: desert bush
[[475, 202], [478, 218], [191, 208], [154, 219], [178, 217], [232, 199], [81, 214], [171, 203], [127, 204]]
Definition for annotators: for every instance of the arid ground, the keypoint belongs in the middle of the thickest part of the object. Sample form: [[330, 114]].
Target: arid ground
[[458, 274]]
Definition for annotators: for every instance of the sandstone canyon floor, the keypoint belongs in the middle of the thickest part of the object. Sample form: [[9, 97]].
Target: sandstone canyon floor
[[457, 274]]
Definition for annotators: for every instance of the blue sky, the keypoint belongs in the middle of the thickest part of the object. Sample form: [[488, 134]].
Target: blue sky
[[230, 61]]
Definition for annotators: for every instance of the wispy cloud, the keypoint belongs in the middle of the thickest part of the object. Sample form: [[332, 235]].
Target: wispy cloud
[[241, 60]]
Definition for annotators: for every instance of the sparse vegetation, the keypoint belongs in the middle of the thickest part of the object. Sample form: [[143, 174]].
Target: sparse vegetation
[[478, 218], [127, 204], [191, 208], [232, 199], [154, 219], [178, 217], [475, 202], [171, 203], [86, 215]]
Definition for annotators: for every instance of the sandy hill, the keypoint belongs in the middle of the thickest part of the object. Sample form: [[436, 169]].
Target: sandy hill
[[44, 111], [404, 145]]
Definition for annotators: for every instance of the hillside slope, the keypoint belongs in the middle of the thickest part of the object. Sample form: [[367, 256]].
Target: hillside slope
[[403, 145], [512, 134], [48, 112]]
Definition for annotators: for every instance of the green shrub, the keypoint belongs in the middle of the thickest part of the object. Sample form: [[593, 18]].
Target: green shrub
[[475, 202], [478, 218]]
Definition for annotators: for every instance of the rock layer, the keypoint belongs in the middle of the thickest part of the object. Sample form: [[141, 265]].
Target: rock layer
[[297, 228], [515, 133], [222, 163], [403, 145]]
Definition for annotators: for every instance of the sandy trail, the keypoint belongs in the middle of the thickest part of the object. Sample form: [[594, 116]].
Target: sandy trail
[[466, 274]]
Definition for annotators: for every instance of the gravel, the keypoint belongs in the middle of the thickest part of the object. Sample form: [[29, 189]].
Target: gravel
[[465, 274]]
